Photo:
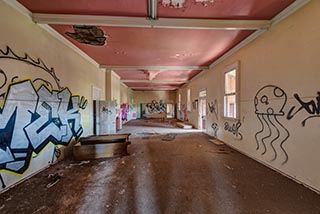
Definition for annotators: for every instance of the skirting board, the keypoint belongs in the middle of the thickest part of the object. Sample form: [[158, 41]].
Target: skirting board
[[269, 166]]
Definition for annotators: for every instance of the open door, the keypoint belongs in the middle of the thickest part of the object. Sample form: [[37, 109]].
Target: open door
[[202, 119]]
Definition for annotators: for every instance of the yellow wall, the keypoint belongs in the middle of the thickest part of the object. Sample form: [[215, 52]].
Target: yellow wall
[[287, 56], [79, 75], [113, 86]]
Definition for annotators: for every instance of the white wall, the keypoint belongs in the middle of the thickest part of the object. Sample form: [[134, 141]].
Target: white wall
[[287, 56], [32, 127]]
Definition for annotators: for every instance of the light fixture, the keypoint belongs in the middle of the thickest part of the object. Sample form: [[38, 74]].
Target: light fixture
[[152, 9]]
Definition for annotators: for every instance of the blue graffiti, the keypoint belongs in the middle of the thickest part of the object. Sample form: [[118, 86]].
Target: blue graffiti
[[30, 119]]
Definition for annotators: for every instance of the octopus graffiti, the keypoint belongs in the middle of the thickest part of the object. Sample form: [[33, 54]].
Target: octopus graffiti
[[269, 103]]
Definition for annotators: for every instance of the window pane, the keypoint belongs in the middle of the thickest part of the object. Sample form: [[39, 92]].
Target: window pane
[[203, 93], [230, 106], [230, 82], [189, 100]]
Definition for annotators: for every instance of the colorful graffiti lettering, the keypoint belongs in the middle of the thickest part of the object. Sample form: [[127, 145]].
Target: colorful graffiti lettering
[[30, 119]]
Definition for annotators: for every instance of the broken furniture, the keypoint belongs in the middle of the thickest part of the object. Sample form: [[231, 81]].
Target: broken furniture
[[101, 146]]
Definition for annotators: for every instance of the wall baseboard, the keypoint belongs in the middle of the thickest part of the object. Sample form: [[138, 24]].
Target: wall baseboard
[[269, 166]]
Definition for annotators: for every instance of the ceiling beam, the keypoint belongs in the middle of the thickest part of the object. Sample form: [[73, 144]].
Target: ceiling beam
[[154, 89], [154, 81], [157, 68], [177, 23]]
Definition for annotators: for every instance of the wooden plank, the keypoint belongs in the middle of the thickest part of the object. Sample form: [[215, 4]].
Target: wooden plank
[[96, 151]]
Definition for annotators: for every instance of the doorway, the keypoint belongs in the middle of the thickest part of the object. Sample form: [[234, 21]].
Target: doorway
[[170, 110], [202, 118]]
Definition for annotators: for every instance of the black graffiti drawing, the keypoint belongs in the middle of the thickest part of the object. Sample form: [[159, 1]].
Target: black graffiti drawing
[[154, 107], [215, 128], [312, 108], [234, 129], [269, 103], [213, 108], [83, 103], [2, 182], [4, 81], [106, 110], [9, 54], [90, 35]]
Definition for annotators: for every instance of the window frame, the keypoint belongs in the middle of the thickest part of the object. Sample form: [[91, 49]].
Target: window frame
[[235, 66], [189, 102], [179, 102]]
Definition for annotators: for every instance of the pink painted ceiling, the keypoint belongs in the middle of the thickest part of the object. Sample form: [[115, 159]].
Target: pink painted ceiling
[[130, 46], [157, 75], [227, 9], [154, 46]]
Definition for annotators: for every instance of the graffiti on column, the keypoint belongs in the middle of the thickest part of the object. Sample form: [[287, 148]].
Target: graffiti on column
[[269, 103], [124, 111], [311, 107], [32, 117], [213, 108]]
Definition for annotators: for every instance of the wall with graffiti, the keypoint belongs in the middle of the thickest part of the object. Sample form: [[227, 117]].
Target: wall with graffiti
[[142, 98], [45, 98], [279, 98]]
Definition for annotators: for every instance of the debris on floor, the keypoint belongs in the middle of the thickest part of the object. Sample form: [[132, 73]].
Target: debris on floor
[[227, 166], [220, 151], [216, 141], [77, 164], [169, 137], [40, 209], [54, 178], [184, 126]]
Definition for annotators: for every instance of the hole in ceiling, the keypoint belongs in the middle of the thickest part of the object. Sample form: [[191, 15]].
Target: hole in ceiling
[[90, 35]]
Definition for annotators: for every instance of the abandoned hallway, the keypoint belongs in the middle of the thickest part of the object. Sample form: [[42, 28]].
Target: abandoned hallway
[[180, 172]]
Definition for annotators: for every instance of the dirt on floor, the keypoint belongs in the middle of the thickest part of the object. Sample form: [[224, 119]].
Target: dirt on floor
[[164, 173]]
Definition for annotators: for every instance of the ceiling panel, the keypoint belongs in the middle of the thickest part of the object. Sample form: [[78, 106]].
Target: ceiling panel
[[153, 46], [133, 46], [88, 7], [225, 9]]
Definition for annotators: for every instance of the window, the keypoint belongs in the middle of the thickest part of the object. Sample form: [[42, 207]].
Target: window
[[231, 91], [203, 93], [179, 102], [189, 100]]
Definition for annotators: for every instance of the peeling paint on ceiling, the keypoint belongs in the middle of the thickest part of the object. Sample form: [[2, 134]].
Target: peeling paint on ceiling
[[205, 2], [177, 4], [90, 35]]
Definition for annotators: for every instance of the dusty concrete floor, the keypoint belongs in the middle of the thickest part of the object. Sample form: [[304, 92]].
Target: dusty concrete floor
[[186, 175]]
